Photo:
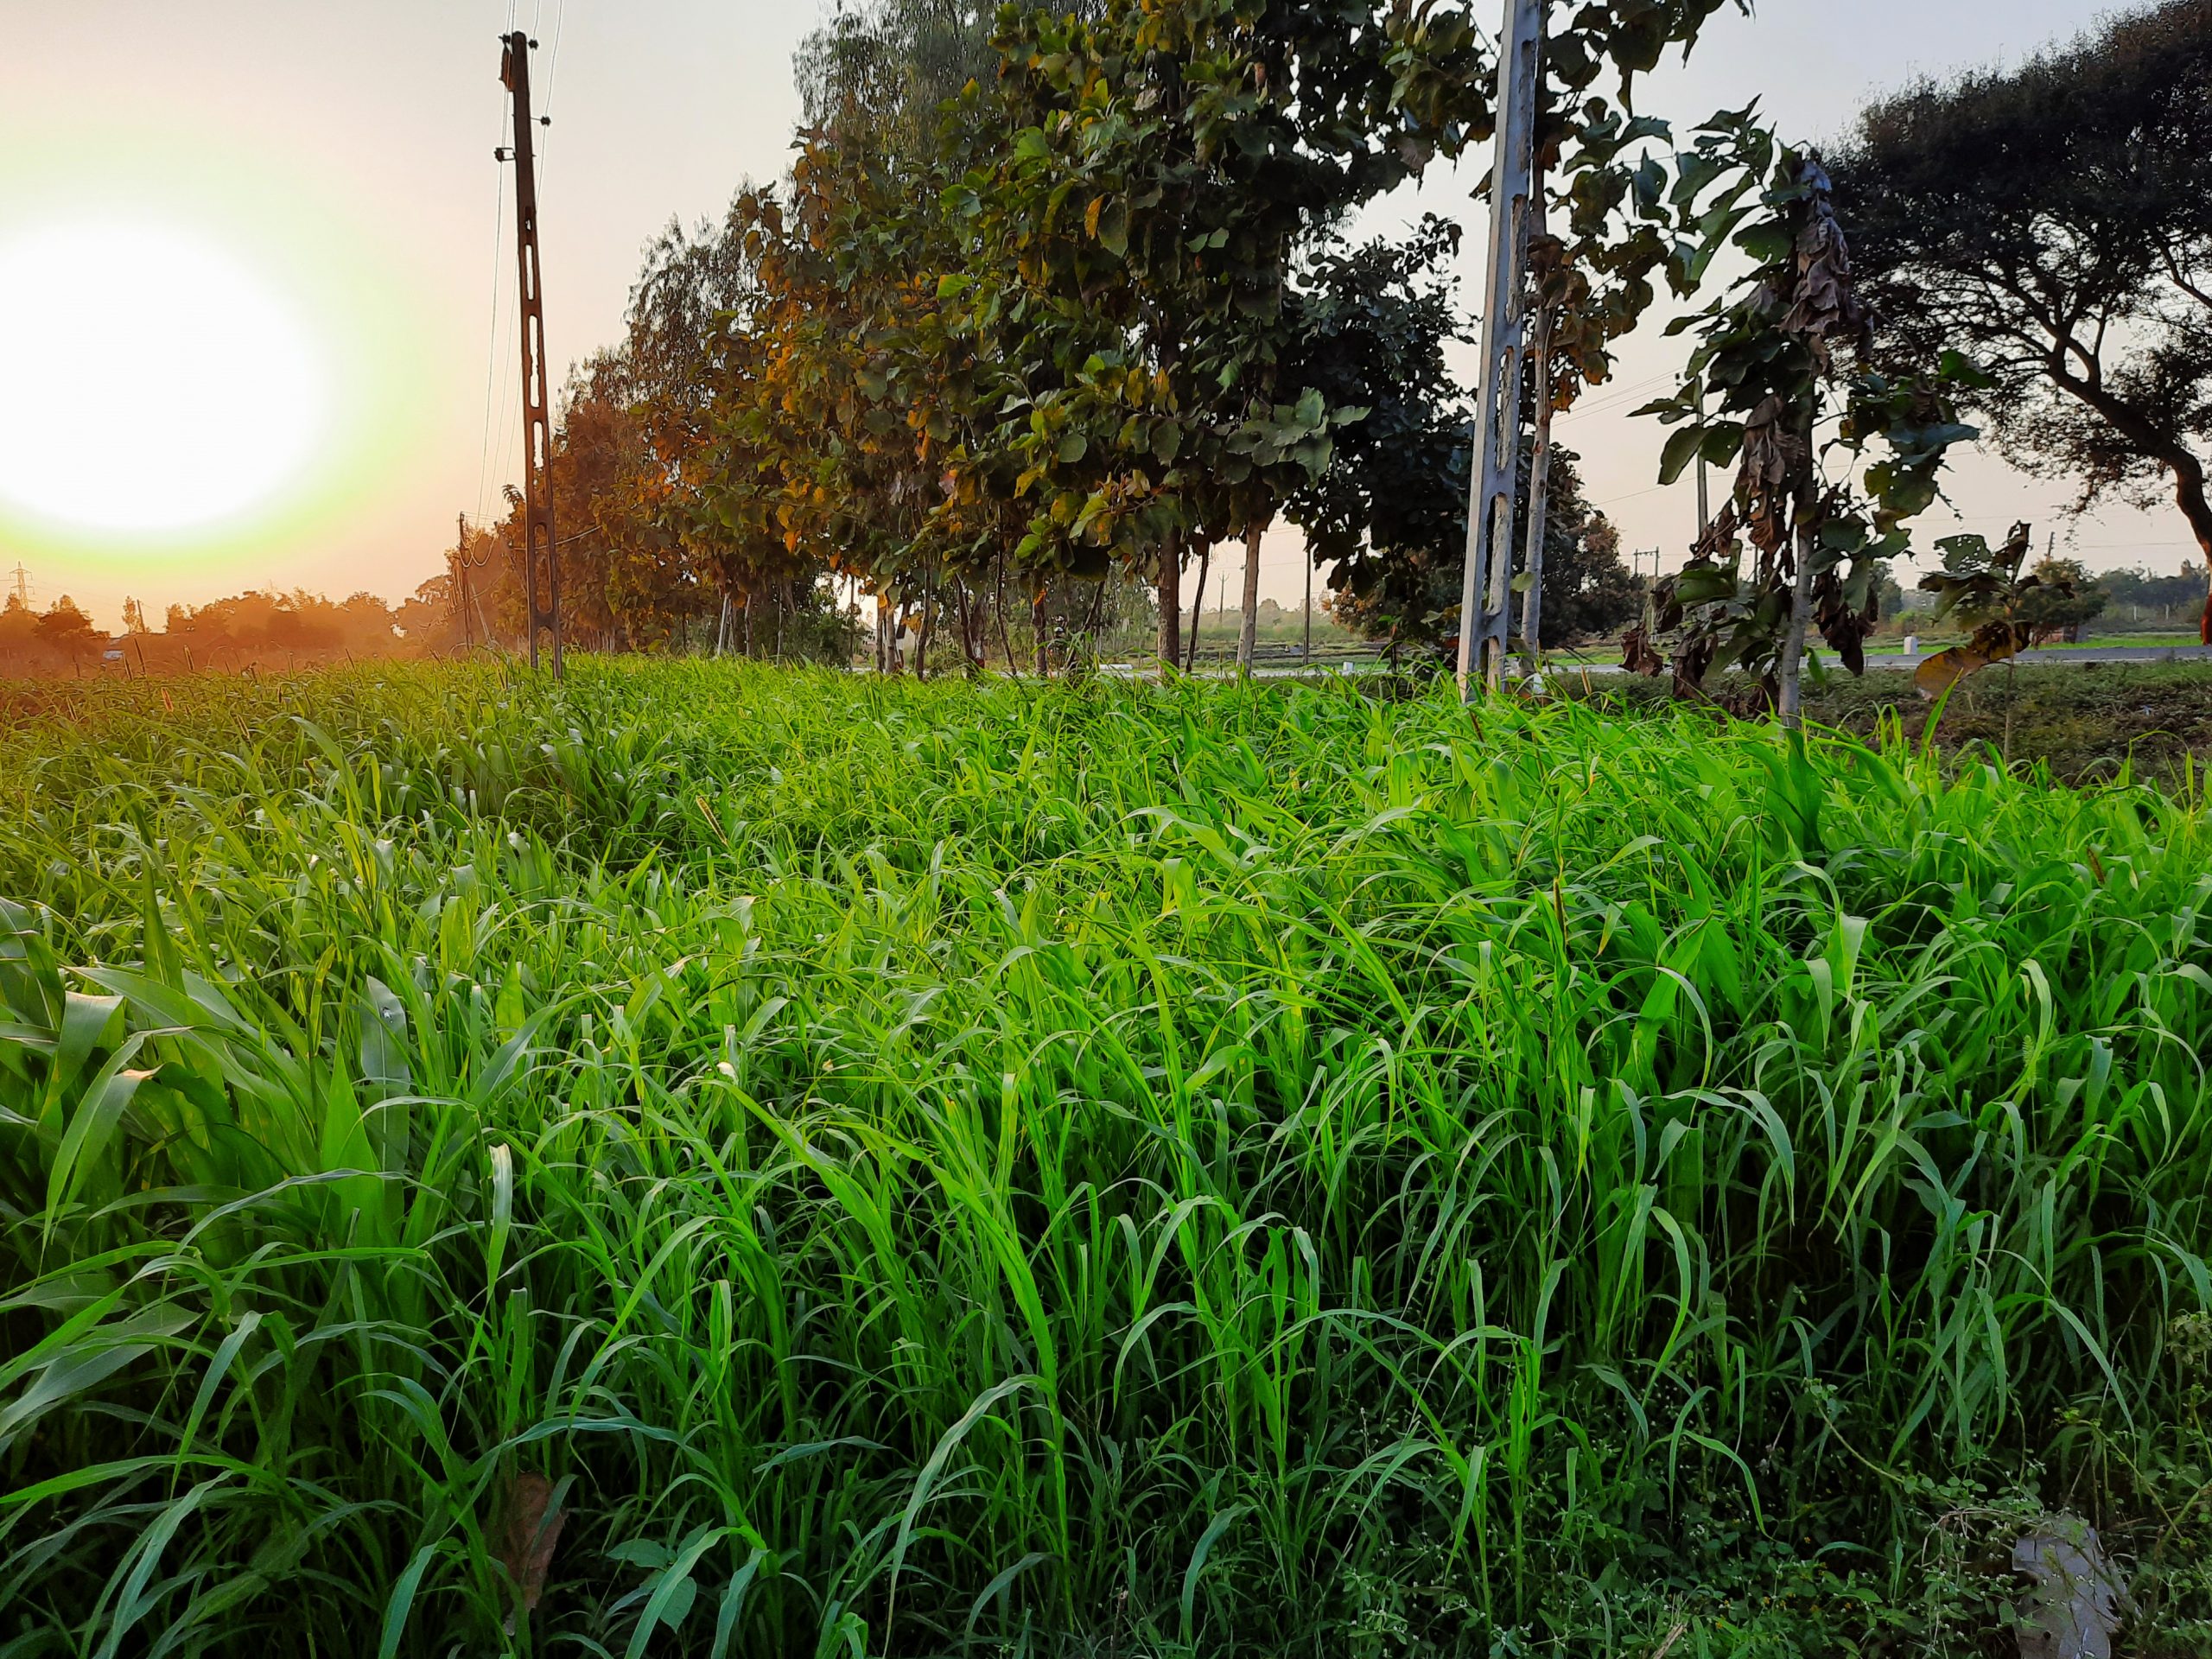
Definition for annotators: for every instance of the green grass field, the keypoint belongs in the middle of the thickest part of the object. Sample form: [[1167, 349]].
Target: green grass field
[[710, 1160]]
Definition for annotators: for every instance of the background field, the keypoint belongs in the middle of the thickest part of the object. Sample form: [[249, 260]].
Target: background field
[[785, 1162]]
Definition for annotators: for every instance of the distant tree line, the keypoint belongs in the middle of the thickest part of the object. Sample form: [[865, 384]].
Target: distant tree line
[[255, 628]]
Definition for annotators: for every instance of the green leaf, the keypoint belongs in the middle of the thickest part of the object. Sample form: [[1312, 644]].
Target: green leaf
[[1682, 449], [1220, 1524], [91, 1127], [1767, 242], [673, 1594], [401, 1599], [1114, 230], [1722, 439]]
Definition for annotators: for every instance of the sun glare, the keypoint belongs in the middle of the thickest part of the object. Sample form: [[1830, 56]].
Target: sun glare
[[149, 382]]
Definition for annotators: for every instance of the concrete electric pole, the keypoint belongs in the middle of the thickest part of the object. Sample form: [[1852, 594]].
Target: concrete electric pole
[[541, 558], [1485, 598]]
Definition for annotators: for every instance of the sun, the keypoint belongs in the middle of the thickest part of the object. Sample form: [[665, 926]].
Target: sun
[[150, 382]]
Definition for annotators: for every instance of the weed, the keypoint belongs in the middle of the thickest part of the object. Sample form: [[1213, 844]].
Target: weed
[[708, 1161]]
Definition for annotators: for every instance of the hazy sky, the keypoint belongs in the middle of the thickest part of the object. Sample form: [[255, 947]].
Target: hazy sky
[[342, 154]]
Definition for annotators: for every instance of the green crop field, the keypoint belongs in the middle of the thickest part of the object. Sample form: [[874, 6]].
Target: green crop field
[[708, 1161]]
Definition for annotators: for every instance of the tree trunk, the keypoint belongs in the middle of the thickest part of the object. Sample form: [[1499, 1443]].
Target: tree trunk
[[998, 606], [1197, 603], [1040, 626], [1248, 635], [1539, 478], [1306, 653], [1090, 647], [1170, 594], [922, 646], [1789, 700], [2188, 494]]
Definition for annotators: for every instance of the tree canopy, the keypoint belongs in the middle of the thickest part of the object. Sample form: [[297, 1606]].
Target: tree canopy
[[2051, 222]]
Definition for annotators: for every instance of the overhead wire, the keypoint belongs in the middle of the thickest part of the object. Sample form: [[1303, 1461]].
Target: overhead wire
[[503, 434], [494, 457], [553, 65], [499, 461], [1632, 495], [1612, 398], [492, 345]]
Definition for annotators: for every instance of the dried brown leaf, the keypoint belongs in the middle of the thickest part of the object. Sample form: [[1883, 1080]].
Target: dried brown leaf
[[530, 1527]]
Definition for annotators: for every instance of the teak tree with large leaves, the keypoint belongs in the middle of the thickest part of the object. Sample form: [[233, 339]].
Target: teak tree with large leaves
[[1781, 385], [1131, 251], [2002, 602]]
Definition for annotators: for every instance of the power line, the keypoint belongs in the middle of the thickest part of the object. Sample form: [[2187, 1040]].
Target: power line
[[1615, 396], [552, 76], [492, 349]]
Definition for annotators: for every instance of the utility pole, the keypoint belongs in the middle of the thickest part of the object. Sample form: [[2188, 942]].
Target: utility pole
[[23, 585], [1486, 595], [540, 557], [457, 588]]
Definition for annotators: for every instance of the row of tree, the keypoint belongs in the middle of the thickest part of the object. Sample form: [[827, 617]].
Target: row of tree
[[1051, 306]]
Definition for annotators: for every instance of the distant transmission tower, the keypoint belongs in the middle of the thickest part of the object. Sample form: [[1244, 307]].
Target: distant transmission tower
[[541, 560], [23, 585]]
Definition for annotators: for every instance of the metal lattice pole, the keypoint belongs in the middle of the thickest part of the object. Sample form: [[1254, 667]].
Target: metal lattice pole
[[1485, 598], [541, 562]]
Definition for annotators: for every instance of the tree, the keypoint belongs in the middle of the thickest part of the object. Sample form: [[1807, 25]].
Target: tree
[[2065, 599], [67, 631], [1171, 162], [1389, 510], [2006, 607], [1587, 591], [18, 628], [2052, 222], [2152, 596], [1782, 385]]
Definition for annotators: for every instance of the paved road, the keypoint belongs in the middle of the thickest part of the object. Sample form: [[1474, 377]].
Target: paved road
[[2048, 657]]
